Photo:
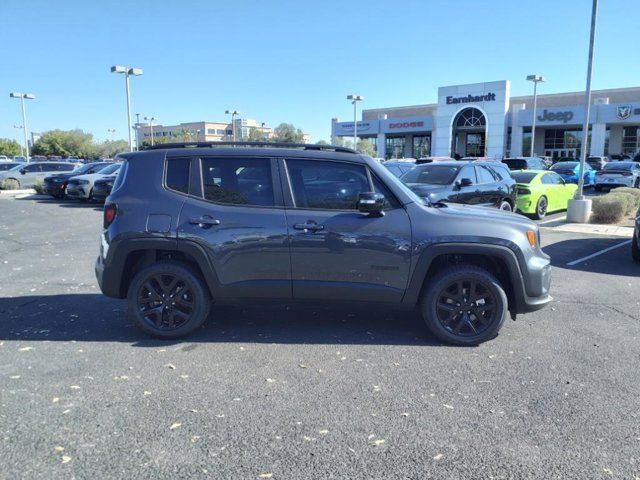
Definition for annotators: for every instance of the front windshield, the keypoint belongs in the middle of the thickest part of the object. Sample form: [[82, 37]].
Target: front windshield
[[80, 169], [110, 169], [431, 174], [564, 166]]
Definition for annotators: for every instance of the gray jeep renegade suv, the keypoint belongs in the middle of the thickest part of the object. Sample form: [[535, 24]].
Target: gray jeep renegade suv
[[191, 224]]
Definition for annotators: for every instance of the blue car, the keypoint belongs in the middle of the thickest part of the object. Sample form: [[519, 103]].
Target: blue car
[[569, 172]]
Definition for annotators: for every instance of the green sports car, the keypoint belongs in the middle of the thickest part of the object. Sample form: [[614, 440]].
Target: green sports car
[[542, 191]]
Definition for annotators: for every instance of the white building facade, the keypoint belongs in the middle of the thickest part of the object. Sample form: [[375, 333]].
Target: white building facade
[[483, 119]]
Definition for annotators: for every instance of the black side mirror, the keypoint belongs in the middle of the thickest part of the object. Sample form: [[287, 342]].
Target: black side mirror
[[371, 203], [464, 182], [23, 171]]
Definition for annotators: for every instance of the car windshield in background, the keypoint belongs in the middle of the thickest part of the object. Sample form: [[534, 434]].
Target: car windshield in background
[[431, 174], [515, 163], [110, 169], [564, 166], [523, 177], [618, 166], [80, 169]]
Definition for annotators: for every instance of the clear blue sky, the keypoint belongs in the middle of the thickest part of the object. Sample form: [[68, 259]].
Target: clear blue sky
[[291, 61]]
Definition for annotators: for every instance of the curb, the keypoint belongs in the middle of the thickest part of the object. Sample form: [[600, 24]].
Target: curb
[[14, 193], [610, 230]]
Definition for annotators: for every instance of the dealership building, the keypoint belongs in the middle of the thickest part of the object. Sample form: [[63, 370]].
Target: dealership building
[[483, 119]]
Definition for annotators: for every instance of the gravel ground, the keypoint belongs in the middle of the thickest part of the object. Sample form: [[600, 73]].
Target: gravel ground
[[282, 392]]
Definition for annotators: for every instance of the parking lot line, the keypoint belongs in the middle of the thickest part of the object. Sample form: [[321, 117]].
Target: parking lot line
[[600, 252]]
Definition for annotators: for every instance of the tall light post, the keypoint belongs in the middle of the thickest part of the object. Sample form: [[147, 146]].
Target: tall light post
[[21, 146], [535, 79], [354, 100], [22, 96], [233, 114], [579, 208], [127, 71], [150, 120]]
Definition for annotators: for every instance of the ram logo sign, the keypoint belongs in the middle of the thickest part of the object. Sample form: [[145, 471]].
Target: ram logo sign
[[623, 112]]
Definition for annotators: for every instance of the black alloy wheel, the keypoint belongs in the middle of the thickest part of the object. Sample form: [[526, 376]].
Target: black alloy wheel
[[541, 208]]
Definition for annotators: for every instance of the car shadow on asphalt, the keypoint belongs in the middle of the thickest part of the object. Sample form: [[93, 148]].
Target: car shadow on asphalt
[[96, 318], [615, 262], [65, 202]]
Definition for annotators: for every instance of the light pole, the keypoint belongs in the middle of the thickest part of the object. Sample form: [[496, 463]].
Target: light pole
[[22, 96], [137, 127], [354, 99], [233, 114], [127, 71], [21, 146], [150, 120], [535, 79], [579, 208]]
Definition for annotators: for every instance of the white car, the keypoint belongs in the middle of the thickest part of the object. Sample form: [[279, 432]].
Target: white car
[[25, 175], [618, 174], [4, 158], [81, 186]]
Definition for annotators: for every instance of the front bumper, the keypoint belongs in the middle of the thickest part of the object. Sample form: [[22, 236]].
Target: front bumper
[[77, 191], [536, 294]]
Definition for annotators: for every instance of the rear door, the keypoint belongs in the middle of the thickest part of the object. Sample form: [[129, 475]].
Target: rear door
[[31, 172], [489, 186], [338, 253], [235, 213]]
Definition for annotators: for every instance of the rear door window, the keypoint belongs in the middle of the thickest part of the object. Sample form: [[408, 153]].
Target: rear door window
[[484, 175], [238, 181]]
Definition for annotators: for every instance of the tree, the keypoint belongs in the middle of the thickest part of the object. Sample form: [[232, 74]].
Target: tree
[[9, 147], [287, 133], [322, 142], [338, 141], [65, 143], [366, 147], [111, 148]]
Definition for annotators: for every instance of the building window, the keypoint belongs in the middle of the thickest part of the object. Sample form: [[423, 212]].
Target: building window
[[421, 146], [526, 141], [630, 140], [565, 143], [606, 141], [395, 147], [211, 131], [507, 152], [219, 131]]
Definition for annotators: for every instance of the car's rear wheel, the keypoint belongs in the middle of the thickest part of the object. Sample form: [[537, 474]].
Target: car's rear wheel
[[168, 300], [635, 251], [541, 208], [11, 184], [598, 188], [464, 305], [637, 183], [506, 206]]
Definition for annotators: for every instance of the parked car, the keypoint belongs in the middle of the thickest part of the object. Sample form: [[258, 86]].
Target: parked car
[[618, 174], [102, 187], [4, 159], [469, 182], [25, 175], [597, 163], [81, 186], [524, 163], [434, 159], [547, 161], [56, 185], [569, 171], [307, 224], [398, 168], [541, 192], [19, 159], [620, 157], [635, 242]]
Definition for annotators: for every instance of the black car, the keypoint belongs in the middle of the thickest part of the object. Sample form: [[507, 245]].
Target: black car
[[473, 183], [525, 163], [399, 168], [186, 225], [55, 185], [102, 188]]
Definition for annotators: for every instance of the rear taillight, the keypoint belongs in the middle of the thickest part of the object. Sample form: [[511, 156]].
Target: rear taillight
[[523, 191], [110, 212]]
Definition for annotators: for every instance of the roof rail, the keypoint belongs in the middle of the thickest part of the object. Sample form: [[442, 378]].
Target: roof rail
[[302, 146]]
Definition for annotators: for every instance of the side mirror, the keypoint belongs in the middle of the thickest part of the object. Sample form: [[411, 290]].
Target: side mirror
[[23, 171], [371, 203], [464, 182]]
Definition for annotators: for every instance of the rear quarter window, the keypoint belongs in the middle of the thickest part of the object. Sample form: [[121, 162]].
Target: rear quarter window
[[178, 174], [120, 176]]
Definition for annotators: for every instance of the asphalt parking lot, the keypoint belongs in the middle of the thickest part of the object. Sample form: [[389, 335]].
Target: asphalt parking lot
[[308, 392]]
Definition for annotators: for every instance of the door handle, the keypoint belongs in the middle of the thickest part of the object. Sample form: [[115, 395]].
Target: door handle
[[314, 227], [204, 221]]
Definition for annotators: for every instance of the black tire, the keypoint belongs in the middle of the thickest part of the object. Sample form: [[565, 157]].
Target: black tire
[[11, 184], [635, 251], [506, 206], [541, 208], [478, 324], [598, 188], [166, 309], [637, 183]]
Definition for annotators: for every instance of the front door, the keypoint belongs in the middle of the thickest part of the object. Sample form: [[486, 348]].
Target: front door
[[469, 194], [338, 253], [236, 215]]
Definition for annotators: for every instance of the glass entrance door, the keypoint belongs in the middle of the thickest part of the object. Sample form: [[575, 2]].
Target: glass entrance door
[[556, 153], [475, 145]]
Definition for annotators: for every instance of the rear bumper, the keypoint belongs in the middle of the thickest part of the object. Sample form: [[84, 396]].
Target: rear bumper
[[77, 192], [616, 182]]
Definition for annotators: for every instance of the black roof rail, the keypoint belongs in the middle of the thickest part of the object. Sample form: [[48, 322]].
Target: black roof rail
[[303, 146]]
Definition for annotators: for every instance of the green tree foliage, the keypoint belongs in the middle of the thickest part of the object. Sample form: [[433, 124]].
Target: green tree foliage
[[110, 148], [366, 147], [9, 147], [287, 133], [322, 142], [65, 143], [256, 135]]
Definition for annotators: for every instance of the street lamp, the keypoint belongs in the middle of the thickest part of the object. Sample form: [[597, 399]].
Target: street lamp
[[579, 208], [233, 114], [535, 79], [354, 99], [127, 71], [22, 96], [21, 146], [150, 120], [112, 131]]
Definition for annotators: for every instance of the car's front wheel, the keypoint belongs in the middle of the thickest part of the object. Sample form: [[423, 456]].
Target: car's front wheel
[[168, 300], [464, 305], [541, 208], [11, 184], [505, 206]]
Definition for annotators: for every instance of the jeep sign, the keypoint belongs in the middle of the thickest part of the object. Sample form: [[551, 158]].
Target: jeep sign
[[548, 116]]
